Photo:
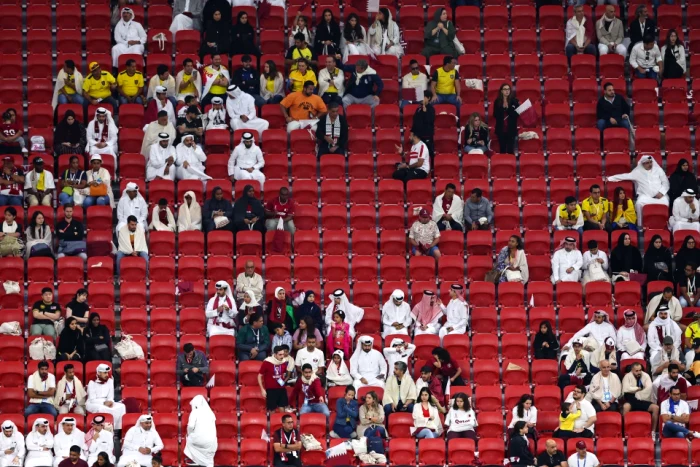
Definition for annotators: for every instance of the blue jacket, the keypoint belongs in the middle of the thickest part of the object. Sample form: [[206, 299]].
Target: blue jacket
[[345, 410], [366, 86]]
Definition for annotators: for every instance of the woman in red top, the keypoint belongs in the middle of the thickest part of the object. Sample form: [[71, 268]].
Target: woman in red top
[[426, 415]]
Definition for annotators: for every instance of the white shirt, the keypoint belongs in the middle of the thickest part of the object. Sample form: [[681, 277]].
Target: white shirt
[[460, 420], [245, 158], [315, 358], [588, 258], [31, 178], [638, 57], [590, 461], [420, 151], [646, 182], [50, 383], [368, 365], [563, 260], [678, 52], [244, 104], [529, 416], [682, 211], [587, 411], [599, 332], [63, 442], [682, 408]]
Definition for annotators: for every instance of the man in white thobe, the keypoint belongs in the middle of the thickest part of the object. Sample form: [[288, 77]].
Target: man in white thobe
[[650, 183], [631, 338], [11, 445], [99, 440], [190, 160], [666, 298], [68, 435], [353, 314], [398, 351], [396, 315], [101, 396], [567, 262], [240, 108], [686, 212], [216, 117], [246, 161], [221, 312], [367, 365], [595, 332], [187, 14], [39, 443], [132, 203], [102, 134], [457, 313], [161, 160], [160, 102], [662, 326], [201, 443], [141, 442], [129, 36], [153, 130]]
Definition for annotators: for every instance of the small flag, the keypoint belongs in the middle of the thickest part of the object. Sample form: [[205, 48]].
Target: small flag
[[264, 436], [210, 383], [532, 300], [527, 113]]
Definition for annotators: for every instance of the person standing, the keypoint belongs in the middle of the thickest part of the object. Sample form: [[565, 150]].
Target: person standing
[[504, 111]]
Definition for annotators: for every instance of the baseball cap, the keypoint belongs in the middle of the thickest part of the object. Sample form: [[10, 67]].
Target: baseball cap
[[93, 65], [580, 445], [668, 340], [423, 213]]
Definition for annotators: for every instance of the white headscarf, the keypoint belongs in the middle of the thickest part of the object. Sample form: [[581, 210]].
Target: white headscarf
[[358, 349], [189, 217], [201, 407], [145, 418], [229, 294], [253, 302]]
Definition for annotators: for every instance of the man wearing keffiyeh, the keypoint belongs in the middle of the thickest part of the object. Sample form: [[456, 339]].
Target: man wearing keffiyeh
[[141, 442], [101, 396], [332, 132]]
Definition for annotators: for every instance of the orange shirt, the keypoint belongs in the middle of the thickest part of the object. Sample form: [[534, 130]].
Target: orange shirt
[[302, 107]]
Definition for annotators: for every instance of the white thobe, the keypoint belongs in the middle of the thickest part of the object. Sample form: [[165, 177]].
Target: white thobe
[[669, 329], [104, 443], [392, 356], [123, 33], [132, 207], [369, 365], [457, 315], [433, 326], [659, 358], [243, 158], [648, 183], [625, 335], [63, 442], [353, 315], [158, 162], [168, 107], [94, 137], [216, 119], [183, 22], [137, 438], [223, 325], [683, 217], [151, 138], [201, 443], [15, 441], [244, 105], [98, 394], [194, 156], [563, 260], [588, 259], [35, 444], [599, 332], [395, 314]]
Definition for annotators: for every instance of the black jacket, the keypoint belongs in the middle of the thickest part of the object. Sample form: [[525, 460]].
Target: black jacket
[[519, 448], [248, 80], [606, 110], [636, 33], [481, 134], [424, 122], [499, 113], [321, 131]]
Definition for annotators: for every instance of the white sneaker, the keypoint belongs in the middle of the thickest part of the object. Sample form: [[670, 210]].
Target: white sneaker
[[696, 434], [333, 435], [24, 151], [654, 436]]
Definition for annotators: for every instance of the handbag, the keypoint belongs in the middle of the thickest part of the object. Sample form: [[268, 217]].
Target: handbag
[[99, 190], [492, 276], [59, 325], [596, 273], [73, 248], [11, 287], [128, 349], [513, 276], [310, 443], [36, 349], [41, 250], [11, 327]]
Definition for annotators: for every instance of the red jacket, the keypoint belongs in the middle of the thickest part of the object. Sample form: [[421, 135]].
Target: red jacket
[[312, 392]]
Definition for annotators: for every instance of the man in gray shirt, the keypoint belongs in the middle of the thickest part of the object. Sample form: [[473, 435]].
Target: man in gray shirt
[[476, 207], [192, 366]]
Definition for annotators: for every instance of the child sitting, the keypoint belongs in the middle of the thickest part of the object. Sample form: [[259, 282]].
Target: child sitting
[[570, 411]]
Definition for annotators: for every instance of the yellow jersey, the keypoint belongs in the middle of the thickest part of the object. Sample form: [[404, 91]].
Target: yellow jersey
[[598, 210], [445, 81], [99, 88], [130, 85], [298, 79]]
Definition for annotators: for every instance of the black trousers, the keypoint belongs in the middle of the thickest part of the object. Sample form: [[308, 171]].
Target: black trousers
[[410, 174], [507, 144], [454, 225], [588, 225]]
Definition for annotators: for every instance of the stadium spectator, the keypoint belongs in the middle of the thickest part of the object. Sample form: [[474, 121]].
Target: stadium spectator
[[299, 25], [385, 35], [310, 309], [661, 328], [511, 261], [400, 391], [160, 103], [73, 179], [661, 359], [367, 365], [448, 210], [13, 441], [641, 26], [39, 241], [605, 388], [338, 373], [447, 371], [686, 212], [248, 211], [188, 81], [102, 134], [246, 161], [427, 379], [636, 388], [625, 259], [396, 315], [339, 302], [546, 344], [398, 351], [243, 40], [11, 235], [141, 443], [610, 32], [11, 183], [477, 211], [132, 241], [309, 385], [595, 264], [130, 84], [189, 216], [153, 130], [461, 419], [39, 185], [692, 332], [579, 34], [187, 15], [412, 80], [286, 443], [595, 210], [551, 456], [99, 443], [606, 351], [673, 65], [661, 388], [354, 40], [577, 364], [130, 37], [70, 344], [595, 332], [78, 308], [331, 82], [217, 212], [650, 184], [658, 261], [274, 373], [526, 411], [39, 443], [584, 426], [162, 78], [192, 366], [444, 83], [371, 417], [216, 80], [439, 35], [191, 124], [332, 132], [10, 135], [569, 216], [581, 454], [681, 179], [161, 160], [162, 217], [426, 415], [327, 39], [253, 341], [249, 280], [688, 290], [418, 166], [247, 79], [280, 335], [476, 135], [687, 254], [300, 49], [201, 442], [98, 86], [518, 447], [424, 122], [622, 211], [70, 394], [631, 338], [271, 84], [190, 160], [303, 109], [70, 136], [675, 416], [217, 34], [216, 117], [646, 58], [506, 115], [221, 312], [364, 85], [41, 389], [248, 308], [45, 313], [69, 445], [347, 415], [309, 348], [424, 236], [69, 86]]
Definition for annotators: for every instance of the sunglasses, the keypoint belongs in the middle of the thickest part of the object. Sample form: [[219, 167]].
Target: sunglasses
[[414, 68]]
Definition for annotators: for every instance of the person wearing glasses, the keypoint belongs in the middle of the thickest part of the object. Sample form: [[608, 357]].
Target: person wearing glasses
[[249, 280], [413, 80], [646, 58], [579, 34]]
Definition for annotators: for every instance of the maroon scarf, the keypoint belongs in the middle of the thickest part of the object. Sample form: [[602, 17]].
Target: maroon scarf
[[105, 131], [292, 439], [228, 303]]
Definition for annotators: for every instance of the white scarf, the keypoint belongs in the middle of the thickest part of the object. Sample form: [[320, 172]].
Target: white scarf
[[368, 71], [580, 31], [333, 128], [139, 240], [156, 224], [190, 217], [9, 228]]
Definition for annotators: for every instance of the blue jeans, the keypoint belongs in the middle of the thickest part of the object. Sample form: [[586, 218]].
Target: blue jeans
[[95, 200], [11, 200], [426, 434], [74, 99], [571, 49], [640, 73], [468, 148], [673, 430], [430, 252], [43, 408], [684, 302], [315, 408], [65, 198], [628, 226], [399, 408], [138, 100], [448, 99], [621, 123], [121, 255]]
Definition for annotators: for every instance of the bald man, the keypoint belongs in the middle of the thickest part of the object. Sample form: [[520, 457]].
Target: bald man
[[551, 456]]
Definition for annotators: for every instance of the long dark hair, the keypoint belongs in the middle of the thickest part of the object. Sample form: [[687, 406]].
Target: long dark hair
[[460, 395], [668, 38], [616, 200], [519, 425], [33, 224], [348, 29], [521, 404], [499, 98], [442, 354], [430, 396], [549, 333], [519, 240], [273, 70], [385, 12], [105, 456], [310, 327]]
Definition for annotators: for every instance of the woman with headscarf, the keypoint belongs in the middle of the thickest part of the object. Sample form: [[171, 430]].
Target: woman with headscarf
[[354, 39], [129, 36], [439, 36], [650, 182], [249, 308], [70, 136], [688, 254], [339, 302], [211, 7], [221, 312], [681, 179], [327, 40], [39, 443], [456, 312], [70, 343], [189, 217], [280, 310], [658, 261], [396, 315], [546, 344], [201, 443], [243, 36], [338, 373], [98, 343], [310, 308], [217, 212], [384, 35], [625, 258], [512, 261], [248, 211], [217, 34], [631, 338], [427, 314], [11, 440]]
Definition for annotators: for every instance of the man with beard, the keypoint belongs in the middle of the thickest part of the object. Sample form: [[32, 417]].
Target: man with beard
[[141, 443], [101, 396], [161, 160], [240, 108], [661, 388], [367, 365], [153, 131], [190, 160], [98, 440], [246, 161], [584, 426], [102, 134], [637, 388], [68, 437]]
